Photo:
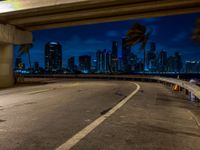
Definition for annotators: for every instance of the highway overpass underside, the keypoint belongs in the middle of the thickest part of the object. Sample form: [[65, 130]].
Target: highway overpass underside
[[19, 18]]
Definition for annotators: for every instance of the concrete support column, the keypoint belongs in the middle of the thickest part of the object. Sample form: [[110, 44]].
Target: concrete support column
[[6, 65]]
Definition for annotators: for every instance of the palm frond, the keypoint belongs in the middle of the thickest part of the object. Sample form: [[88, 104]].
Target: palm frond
[[24, 49], [138, 34]]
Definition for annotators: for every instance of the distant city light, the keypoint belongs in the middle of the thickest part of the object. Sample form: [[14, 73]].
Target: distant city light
[[54, 43]]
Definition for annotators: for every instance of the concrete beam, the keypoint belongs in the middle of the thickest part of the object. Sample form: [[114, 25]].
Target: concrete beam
[[36, 15], [10, 34], [95, 20]]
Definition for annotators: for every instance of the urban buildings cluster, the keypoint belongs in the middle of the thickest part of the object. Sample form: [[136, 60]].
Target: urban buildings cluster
[[106, 61]]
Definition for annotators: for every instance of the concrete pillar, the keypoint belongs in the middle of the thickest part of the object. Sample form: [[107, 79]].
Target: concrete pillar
[[6, 65]]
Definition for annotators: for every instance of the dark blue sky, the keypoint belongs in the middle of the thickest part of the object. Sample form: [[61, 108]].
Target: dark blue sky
[[171, 33]]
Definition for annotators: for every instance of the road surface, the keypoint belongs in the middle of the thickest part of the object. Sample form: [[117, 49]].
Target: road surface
[[44, 117]]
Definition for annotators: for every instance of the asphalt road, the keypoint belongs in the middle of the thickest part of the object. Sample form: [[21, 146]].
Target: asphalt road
[[46, 116], [43, 117]]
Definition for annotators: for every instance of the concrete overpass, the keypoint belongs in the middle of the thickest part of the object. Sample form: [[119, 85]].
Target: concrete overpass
[[18, 18]]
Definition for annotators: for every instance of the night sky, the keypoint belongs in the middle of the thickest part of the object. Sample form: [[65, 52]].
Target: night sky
[[171, 33]]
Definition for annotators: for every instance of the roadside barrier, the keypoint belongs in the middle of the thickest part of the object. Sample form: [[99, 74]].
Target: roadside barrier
[[178, 84]]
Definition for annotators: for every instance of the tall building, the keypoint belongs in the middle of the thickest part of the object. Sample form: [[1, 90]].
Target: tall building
[[103, 59], [133, 62], [151, 59], [192, 67], [114, 57], [120, 65], [85, 63], [94, 65], [99, 58], [178, 62], [139, 66], [53, 57], [71, 64], [108, 61], [36, 65], [126, 52], [162, 61], [170, 64], [189, 66]]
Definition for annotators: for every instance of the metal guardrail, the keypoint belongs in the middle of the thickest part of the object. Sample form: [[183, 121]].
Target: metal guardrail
[[184, 84]]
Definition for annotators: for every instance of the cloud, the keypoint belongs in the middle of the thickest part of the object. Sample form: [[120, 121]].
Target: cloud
[[112, 33], [179, 37]]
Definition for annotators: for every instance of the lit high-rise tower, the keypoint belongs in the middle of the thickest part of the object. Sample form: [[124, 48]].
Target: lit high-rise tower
[[114, 56], [53, 57], [126, 52]]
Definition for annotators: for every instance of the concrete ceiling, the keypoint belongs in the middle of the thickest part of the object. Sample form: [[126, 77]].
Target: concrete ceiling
[[43, 14]]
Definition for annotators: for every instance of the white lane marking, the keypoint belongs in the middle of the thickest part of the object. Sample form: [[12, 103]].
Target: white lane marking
[[85, 131], [53, 88]]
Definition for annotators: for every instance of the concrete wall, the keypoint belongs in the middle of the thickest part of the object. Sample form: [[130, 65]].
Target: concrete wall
[[6, 65], [10, 35]]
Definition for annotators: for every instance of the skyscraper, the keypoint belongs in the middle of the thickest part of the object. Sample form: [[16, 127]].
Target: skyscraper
[[178, 62], [114, 56], [120, 65], [189, 66], [162, 61], [170, 64], [99, 59], [71, 64], [85, 63], [53, 57], [151, 61], [103, 61], [36, 65], [139, 66], [192, 67], [126, 52], [133, 62], [108, 61]]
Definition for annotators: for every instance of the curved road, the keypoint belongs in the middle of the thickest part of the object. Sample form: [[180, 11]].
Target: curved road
[[44, 117]]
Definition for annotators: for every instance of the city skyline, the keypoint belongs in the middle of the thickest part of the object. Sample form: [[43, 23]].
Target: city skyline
[[110, 62], [172, 33]]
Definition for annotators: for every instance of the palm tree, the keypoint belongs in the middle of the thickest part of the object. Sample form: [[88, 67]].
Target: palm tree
[[25, 49], [138, 34], [196, 32]]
